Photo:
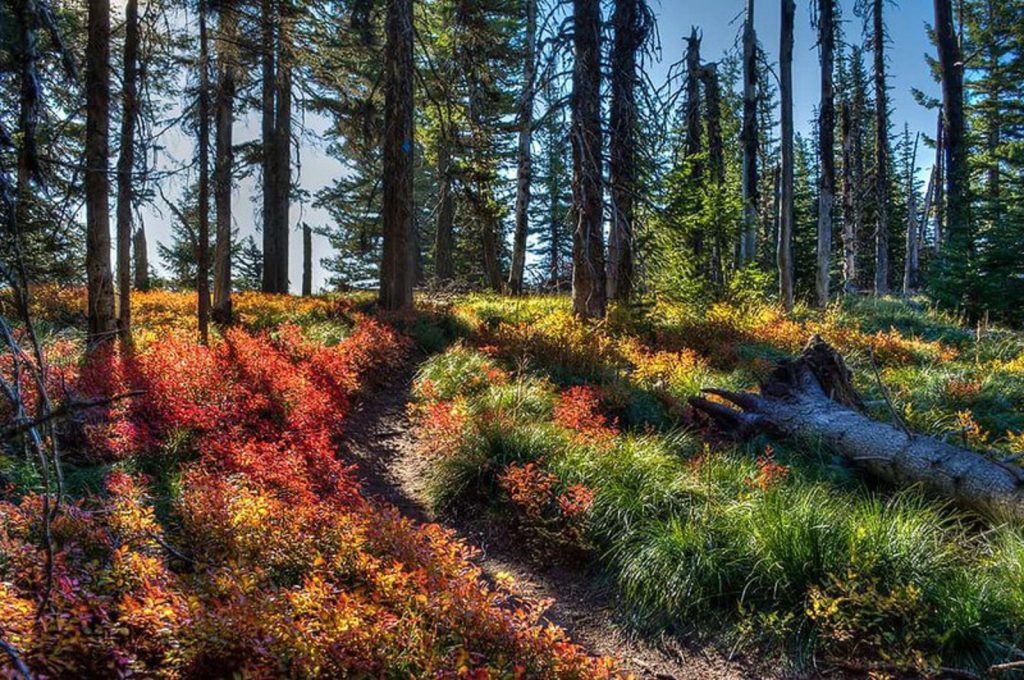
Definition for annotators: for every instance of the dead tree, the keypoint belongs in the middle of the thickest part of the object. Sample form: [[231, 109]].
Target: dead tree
[[716, 155], [957, 228], [787, 217], [812, 399], [398, 263], [524, 173], [99, 279], [125, 166], [694, 129], [748, 138], [851, 210], [588, 273], [912, 261], [826, 144], [881, 151]]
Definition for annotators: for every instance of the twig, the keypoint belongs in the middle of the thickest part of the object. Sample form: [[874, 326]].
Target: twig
[[63, 410], [1003, 667], [888, 402], [19, 665]]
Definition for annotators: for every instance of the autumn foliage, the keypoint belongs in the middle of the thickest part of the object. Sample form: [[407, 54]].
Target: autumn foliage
[[230, 538]]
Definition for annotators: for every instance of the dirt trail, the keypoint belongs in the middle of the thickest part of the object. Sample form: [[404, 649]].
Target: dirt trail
[[380, 439]]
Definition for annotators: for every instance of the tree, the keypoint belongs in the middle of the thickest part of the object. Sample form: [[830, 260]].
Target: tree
[[524, 174], [911, 264], [125, 167], [588, 274], [826, 146], [202, 252], [881, 151], [100, 283], [227, 36], [748, 137], [398, 266], [307, 260], [631, 25], [276, 141], [786, 219], [141, 257]]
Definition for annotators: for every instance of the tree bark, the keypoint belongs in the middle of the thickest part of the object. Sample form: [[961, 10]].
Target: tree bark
[[524, 174], [881, 153], [588, 274], [282, 153], [100, 282], [826, 144], [957, 232], [125, 166], [748, 138], [693, 131], [203, 240], [851, 222], [307, 260], [398, 267], [268, 160], [628, 25], [812, 399], [141, 259], [785, 243], [716, 156], [940, 182], [227, 29]]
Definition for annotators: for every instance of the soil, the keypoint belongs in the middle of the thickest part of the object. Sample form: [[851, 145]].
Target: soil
[[381, 441]]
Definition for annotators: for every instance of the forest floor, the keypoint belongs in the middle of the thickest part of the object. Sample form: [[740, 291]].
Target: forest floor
[[381, 440]]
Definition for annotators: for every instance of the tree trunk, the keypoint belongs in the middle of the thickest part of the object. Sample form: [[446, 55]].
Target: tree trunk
[[851, 223], [268, 160], [628, 24], [748, 138], [826, 145], [881, 153], [490, 241], [911, 266], [398, 267], [716, 156], [957, 232], [525, 154], [693, 131], [141, 259], [812, 399], [100, 281], [588, 274], [125, 166], [227, 29], [940, 182], [785, 243], [282, 151], [307, 260], [444, 237], [203, 241]]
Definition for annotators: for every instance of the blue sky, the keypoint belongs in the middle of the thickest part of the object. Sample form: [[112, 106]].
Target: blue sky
[[720, 21]]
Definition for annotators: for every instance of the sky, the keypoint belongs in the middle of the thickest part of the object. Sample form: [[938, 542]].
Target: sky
[[720, 23]]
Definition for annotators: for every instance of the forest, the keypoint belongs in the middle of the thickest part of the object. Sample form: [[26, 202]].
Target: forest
[[599, 360]]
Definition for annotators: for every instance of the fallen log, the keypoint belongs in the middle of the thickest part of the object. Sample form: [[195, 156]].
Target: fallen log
[[813, 399]]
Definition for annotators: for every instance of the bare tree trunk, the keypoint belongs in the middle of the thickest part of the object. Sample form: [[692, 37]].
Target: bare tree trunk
[[491, 244], [748, 137], [282, 150], [826, 144], [716, 155], [125, 166], [940, 182], [955, 147], [693, 130], [141, 259], [227, 29], [785, 243], [851, 211], [203, 241], [588, 274], [444, 237], [911, 266], [398, 266], [628, 22], [926, 210], [525, 157], [307, 260], [102, 320], [812, 399], [269, 139], [881, 153]]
